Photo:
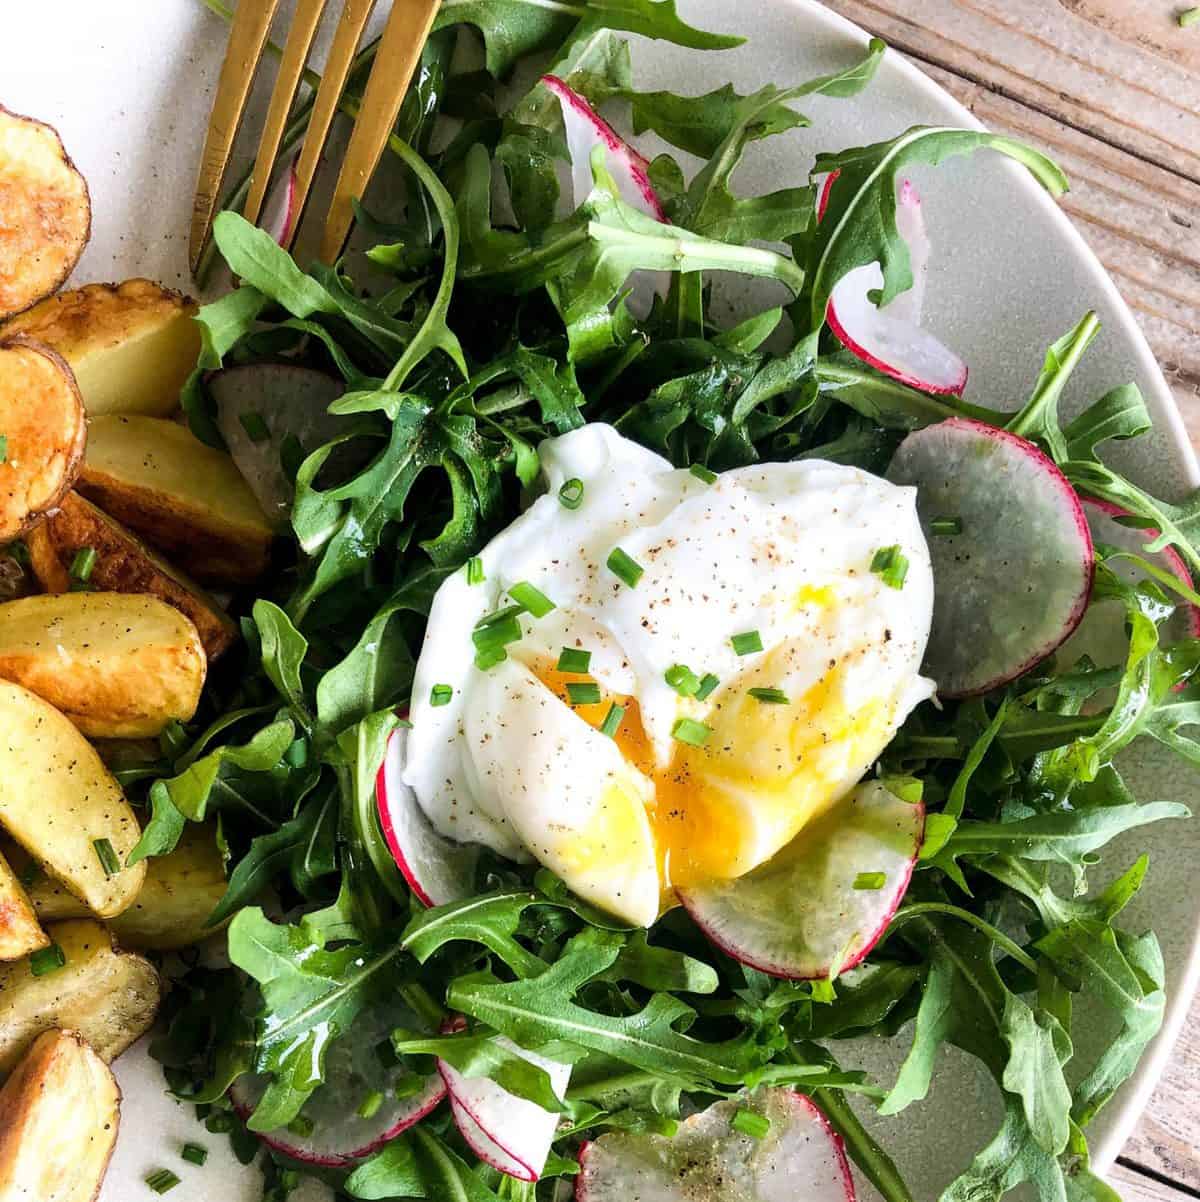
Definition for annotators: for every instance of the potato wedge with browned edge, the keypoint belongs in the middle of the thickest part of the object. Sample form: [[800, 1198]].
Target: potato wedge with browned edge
[[44, 429], [183, 497], [20, 932], [57, 800], [131, 346], [109, 996], [123, 564], [59, 1115], [119, 665], [45, 212], [180, 891]]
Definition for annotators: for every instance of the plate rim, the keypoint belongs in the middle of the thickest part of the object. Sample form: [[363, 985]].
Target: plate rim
[[1134, 1097]]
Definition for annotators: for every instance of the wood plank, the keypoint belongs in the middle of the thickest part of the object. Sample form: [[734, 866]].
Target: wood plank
[[1078, 60], [1167, 1140], [1136, 1187]]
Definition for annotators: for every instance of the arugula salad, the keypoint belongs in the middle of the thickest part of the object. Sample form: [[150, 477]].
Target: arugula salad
[[561, 863]]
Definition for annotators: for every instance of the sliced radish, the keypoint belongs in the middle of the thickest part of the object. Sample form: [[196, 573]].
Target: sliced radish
[[586, 129], [281, 208], [1015, 582], [799, 1157], [800, 914], [891, 339], [355, 1070], [509, 1133], [437, 870], [283, 400]]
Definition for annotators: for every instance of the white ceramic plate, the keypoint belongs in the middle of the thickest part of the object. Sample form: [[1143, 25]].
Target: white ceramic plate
[[128, 83]]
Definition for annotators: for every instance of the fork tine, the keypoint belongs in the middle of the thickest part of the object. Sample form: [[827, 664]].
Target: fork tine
[[295, 54], [399, 52], [355, 14], [247, 37]]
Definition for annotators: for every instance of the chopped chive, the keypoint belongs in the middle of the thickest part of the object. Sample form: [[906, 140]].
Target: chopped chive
[[440, 695], [691, 732], [368, 1108], [408, 1086], [624, 567], [754, 1125], [497, 630], [747, 643], [870, 881], [583, 692], [573, 659], [475, 570], [49, 959], [570, 496], [703, 473], [254, 426], [890, 564], [161, 1180], [612, 720], [534, 600], [708, 682], [194, 1153], [490, 657], [3, 448], [1188, 18], [296, 755], [683, 680], [946, 527], [83, 564], [107, 857], [301, 1125], [770, 696]]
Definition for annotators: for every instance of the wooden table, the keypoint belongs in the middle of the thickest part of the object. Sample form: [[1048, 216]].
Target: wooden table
[[1111, 89]]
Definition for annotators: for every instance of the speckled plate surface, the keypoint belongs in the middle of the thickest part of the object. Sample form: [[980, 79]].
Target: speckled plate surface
[[128, 83]]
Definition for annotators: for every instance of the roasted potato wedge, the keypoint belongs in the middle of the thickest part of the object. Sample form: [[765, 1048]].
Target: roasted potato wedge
[[45, 212], [131, 346], [180, 891], [110, 997], [59, 1115], [183, 497], [45, 431], [118, 665], [20, 932], [57, 798], [123, 565]]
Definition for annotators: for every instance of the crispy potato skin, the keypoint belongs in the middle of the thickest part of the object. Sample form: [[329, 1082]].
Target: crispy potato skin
[[45, 212], [59, 1115], [109, 996], [43, 421], [123, 565], [20, 933], [118, 665], [57, 797], [181, 890], [131, 345], [183, 497]]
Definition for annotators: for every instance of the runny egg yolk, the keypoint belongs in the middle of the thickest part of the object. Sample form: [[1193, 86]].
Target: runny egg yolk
[[763, 774]]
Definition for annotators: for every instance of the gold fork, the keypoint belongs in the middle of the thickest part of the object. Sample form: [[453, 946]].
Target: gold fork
[[396, 60]]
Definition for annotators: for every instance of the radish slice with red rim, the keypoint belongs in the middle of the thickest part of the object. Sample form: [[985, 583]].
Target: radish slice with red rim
[[1014, 583], [280, 210], [509, 1133], [437, 870], [891, 339], [586, 129], [262, 406], [799, 1157], [825, 900], [357, 1068]]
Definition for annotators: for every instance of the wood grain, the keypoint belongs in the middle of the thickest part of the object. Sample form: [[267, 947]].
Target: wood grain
[[1111, 90]]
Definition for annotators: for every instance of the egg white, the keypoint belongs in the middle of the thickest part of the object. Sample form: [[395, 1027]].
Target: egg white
[[781, 549]]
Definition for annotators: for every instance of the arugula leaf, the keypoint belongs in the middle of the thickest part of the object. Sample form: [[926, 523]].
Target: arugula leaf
[[255, 257], [283, 652], [1038, 1048], [444, 1174], [491, 920], [539, 1010], [859, 226], [1012, 1158], [391, 1173], [1119, 414], [660, 968]]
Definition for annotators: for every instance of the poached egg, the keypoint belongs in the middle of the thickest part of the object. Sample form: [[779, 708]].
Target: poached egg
[[723, 660]]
